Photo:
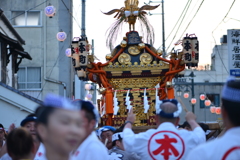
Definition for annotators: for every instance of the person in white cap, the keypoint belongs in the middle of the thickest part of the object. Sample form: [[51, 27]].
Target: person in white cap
[[166, 142], [59, 127], [105, 134], [226, 147], [118, 152], [91, 148]]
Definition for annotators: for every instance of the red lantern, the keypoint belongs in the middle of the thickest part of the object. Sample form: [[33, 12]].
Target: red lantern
[[186, 95], [202, 97], [213, 109], [193, 100], [207, 102], [218, 110]]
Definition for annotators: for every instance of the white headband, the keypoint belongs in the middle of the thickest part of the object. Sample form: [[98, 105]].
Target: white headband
[[231, 94], [175, 114], [116, 136]]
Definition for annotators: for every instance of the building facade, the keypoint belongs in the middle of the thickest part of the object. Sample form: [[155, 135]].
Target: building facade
[[50, 71], [14, 104], [208, 81]]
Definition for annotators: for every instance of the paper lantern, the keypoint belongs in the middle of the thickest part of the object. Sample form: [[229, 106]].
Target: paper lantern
[[89, 96], [193, 100], [61, 36], [186, 95], [213, 109], [202, 97], [88, 86], [68, 52], [207, 102], [50, 11], [218, 110]]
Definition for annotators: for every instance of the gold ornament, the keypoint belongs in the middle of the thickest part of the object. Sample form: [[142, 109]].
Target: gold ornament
[[159, 52], [124, 44], [141, 46], [169, 84], [124, 58], [146, 58], [108, 57], [133, 50]]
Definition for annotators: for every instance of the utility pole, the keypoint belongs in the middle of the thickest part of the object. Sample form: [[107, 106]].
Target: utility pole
[[163, 30], [83, 35], [83, 32], [163, 26], [192, 80], [94, 98]]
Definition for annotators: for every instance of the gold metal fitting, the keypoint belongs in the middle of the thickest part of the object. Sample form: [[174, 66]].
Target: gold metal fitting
[[108, 57], [124, 44], [159, 52], [102, 90], [125, 38], [169, 84], [141, 46]]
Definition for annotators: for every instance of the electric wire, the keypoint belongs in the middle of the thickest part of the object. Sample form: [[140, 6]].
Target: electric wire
[[192, 18], [179, 26], [177, 22], [70, 13], [215, 39]]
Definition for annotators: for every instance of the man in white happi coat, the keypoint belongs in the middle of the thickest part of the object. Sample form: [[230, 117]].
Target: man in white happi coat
[[226, 147], [166, 142], [91, 148]]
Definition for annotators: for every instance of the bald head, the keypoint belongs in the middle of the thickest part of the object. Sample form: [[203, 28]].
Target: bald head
[[168, 107]]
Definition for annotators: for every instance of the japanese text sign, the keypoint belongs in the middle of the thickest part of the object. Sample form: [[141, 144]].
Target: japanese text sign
[[233, 41]]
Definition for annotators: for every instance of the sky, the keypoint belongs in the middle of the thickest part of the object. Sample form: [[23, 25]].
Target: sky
[[206, 24]]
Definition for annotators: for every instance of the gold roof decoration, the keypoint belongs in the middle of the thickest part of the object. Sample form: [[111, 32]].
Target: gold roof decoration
[[130, 13]]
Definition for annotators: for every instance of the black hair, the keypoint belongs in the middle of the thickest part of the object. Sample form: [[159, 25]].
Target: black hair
[[204, 126], [232, 108], [19, 143], [42, 113], [120, 129], [5, 134], [87, 107]]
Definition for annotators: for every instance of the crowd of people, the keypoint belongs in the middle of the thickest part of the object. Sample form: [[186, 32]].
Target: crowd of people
[[61, 129]]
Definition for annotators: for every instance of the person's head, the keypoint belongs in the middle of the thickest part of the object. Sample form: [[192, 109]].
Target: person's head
[[117, 138], [30, 123], [89, 115], [20, 144], [186, 126], [2, 132], [59, 125], [231, 103], [105, 134], [169, 111]]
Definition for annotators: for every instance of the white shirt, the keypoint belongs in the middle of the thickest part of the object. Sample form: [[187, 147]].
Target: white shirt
[[165, 142], [40, 155], [91, 148], [226, 147]]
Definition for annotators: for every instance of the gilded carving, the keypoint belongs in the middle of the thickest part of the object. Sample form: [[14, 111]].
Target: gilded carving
[[124, 58], [133, 50], [146, 58]]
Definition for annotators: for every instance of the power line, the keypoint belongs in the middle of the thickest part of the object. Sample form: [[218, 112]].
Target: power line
[[192, 18], [179, 25], [177, 21], [70, 13], [52, 69], [214, 37]]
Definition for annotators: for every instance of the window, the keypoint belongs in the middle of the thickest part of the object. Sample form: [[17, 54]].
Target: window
[[26, 18], [214, 98], [29, 78]]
